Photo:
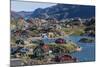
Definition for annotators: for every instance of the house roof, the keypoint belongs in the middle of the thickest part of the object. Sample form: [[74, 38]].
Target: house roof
[[45, 47]]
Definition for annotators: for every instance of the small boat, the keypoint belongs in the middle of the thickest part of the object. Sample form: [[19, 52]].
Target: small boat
[[78, 48]]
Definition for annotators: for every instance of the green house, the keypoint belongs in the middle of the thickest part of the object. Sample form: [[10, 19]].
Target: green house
[[38, 53]]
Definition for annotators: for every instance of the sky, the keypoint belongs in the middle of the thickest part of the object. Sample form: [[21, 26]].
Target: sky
[[28, 6]]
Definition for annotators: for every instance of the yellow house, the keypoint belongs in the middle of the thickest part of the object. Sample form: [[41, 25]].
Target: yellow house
[[50, 34]]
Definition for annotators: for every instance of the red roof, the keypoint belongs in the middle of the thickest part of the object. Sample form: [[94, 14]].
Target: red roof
[[66, 57], [45, 47]]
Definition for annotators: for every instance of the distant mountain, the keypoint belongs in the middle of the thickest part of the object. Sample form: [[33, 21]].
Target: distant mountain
[[24, 13], [63, 11], [58, 11], [14, 15]]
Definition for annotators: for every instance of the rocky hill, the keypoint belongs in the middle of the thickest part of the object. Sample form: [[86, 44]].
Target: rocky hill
[[63, 11]]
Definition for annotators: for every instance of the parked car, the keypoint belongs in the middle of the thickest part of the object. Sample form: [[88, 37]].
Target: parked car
[[60, 41]]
